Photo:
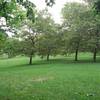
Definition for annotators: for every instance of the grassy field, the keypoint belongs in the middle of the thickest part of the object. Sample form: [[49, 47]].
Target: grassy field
[[57, 79]]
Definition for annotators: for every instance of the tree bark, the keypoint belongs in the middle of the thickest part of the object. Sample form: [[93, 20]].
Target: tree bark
[[31, 56], [76, 55], [48, 57], [94, 55], [30, 62], [76, 52], [97, 45]]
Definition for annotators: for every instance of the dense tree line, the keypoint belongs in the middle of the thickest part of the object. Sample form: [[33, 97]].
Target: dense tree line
[[38, 34]]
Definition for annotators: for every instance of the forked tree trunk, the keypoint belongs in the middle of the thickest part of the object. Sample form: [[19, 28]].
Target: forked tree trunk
[[94, 55]]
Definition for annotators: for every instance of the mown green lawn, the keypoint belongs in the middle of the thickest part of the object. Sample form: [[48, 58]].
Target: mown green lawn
[[57, 79]]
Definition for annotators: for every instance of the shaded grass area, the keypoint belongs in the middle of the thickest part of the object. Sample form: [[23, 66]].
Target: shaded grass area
[[58, 79]]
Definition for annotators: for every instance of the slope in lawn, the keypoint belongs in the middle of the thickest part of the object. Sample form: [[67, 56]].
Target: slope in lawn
[[53, 80]]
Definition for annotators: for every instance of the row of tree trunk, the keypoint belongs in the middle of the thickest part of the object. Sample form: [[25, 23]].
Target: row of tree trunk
[[94, 55], [31, 56], [76, 56]]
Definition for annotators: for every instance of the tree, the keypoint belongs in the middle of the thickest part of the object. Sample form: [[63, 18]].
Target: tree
[[93, 41], [93, 38], [12, 47], [47, 45], [73, 14], [28, 39], [8, 7], [14, 12], [3, 37], [47, 40]]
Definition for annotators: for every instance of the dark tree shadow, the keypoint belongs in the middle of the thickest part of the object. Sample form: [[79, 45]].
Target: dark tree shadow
[[43, 63]]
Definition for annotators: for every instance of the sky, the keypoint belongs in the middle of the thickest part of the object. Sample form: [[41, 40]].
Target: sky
[[55, 10]]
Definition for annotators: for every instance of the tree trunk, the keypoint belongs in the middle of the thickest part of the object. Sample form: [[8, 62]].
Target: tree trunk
[[97, 44], [30, 62], [31, 55], [76, 55], [48, 57], [94, 55]]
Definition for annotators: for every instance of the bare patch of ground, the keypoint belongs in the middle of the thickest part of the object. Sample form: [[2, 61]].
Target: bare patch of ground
[[42, 79]]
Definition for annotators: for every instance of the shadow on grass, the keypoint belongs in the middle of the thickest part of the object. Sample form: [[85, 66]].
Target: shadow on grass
[[44, 63], [64, 61]]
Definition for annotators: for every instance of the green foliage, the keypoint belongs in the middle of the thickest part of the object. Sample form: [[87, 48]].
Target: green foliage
[[48, 31], [76, 25], [12, 47], [6, 8], [50, 2], [30, 14], [3, 37], [97, 6]]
